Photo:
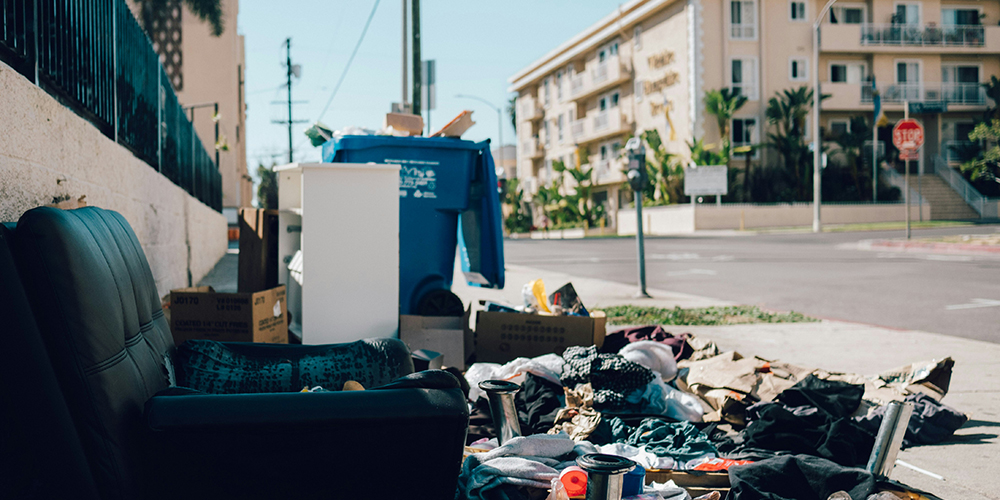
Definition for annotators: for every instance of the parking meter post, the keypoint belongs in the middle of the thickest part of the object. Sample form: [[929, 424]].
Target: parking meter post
[[637, 179]]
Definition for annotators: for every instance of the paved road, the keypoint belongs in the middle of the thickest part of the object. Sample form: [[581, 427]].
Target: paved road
[[824, 275]]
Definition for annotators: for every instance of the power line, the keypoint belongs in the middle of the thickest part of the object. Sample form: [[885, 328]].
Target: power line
[[349, 61]]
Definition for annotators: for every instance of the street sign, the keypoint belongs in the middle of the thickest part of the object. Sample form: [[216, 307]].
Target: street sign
[[928, 107], [909, 154], [706, 180], [907, 135]]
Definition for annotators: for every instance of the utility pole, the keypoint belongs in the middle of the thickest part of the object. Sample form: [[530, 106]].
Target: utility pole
[[288, 74], [403, 101], [417, 63]]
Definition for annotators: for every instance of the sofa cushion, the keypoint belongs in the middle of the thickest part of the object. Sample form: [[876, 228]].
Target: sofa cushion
[[239, 368], [98, 312]]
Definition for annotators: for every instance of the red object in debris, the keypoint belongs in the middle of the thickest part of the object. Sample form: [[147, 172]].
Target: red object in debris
[[765, 368], [719, 464], [574, 480]]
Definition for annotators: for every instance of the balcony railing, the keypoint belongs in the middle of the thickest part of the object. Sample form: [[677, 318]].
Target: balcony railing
[[598, 124], [578, 128], [598, 77], [576, 85], [968, 94], [742, 32], [959, 151], [917, 35], [532, 148], [529, 109], [96, 59]]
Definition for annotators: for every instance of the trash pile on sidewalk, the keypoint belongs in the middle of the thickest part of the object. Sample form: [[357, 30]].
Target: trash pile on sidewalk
[[694, 418]]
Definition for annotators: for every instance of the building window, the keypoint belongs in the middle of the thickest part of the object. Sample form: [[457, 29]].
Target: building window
[[839, 128], [548, 135], [848, 72], [613, 49], [953, 17], [639, 91], [798, 69], [961, 84], [559, 86], [742, 20], [797, 10], [545, 92], [560, 128], [608, 101], [637, 37], [614, 100], [847, 14], [907, 13], [744, 133], [743, 77]]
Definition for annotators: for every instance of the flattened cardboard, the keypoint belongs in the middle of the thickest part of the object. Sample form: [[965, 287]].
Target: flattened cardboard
[[200, 313], [448, 335], [501, 337]]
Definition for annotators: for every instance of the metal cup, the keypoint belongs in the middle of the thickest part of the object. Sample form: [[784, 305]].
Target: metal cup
[[605, 475], [889, 438], [501, 396]]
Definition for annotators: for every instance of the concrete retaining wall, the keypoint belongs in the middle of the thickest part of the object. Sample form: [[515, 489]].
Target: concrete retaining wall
[[47, 151], [681, 219]]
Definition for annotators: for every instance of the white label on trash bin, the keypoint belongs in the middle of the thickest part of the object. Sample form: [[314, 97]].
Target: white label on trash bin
[[421, 179]]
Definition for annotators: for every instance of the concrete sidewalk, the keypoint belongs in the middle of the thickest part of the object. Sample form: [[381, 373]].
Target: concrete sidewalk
[[969, 462]]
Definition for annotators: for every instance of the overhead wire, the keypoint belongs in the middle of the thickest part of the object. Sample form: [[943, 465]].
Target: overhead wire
[[349, 61]]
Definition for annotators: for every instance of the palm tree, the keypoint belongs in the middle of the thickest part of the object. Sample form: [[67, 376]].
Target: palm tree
[[723, 104], [209, 11], [787, 112], [993, 92], [665, 172]]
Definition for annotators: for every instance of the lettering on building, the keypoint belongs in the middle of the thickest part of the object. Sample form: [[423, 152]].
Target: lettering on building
[[668, 80], [660, 59]]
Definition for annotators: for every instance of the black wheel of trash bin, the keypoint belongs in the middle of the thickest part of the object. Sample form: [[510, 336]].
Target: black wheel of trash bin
[[440, 303]]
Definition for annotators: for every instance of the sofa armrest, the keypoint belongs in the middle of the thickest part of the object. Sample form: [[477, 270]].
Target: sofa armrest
[[306, 445]]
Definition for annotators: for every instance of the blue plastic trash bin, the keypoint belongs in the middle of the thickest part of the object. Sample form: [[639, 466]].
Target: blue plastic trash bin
[[447, 198]]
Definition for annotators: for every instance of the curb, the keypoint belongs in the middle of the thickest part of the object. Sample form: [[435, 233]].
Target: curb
[[917, 246]]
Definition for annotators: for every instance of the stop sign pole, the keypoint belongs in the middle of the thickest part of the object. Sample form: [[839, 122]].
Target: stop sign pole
[[908, 137]]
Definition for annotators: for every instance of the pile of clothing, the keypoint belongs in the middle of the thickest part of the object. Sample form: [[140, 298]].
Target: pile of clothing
[[679, 402]]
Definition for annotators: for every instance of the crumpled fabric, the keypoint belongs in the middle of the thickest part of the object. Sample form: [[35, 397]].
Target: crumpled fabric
[[653, 355], [729, 383], [930, 423], [638, 455], [795, 477], [613, 377], [818, 424], [579, 419], [523, 461], [615, 341], [660, 398], [678, 440], [548, 367]]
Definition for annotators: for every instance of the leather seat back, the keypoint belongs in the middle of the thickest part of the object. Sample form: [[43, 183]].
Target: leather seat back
[[98, 312]]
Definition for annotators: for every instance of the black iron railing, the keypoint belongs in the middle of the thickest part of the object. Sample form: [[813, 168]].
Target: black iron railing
[[93, 56]]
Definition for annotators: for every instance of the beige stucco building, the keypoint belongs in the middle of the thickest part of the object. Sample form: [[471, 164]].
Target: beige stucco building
[[204, 70], [648, 64]]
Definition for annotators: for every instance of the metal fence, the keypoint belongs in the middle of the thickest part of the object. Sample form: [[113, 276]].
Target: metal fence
[[93, 56], [916, 35]]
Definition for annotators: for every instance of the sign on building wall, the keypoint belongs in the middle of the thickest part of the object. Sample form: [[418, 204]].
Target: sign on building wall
[[705, 180]]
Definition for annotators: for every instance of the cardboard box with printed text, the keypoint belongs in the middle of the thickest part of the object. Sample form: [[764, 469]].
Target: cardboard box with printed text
[[201, 313], [501, 337]]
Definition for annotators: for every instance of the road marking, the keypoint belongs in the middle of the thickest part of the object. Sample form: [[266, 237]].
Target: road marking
[[949, 258], [976, 303], [703, 272], [675, 256], [723, 258]]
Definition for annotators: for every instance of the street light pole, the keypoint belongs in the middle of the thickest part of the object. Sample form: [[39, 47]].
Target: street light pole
[[499, 120], [817, 154]]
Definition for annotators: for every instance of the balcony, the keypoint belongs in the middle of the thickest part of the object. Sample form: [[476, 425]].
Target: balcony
[[532, 148], [959, 94], [607, 171], [598, 77], [911, 38], [598, 125], [528, 109], [958, 151]]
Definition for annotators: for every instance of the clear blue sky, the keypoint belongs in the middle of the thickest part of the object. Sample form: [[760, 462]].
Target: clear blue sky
[[477, 46]]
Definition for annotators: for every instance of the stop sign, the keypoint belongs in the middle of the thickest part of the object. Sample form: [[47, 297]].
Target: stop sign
[[907, 135]]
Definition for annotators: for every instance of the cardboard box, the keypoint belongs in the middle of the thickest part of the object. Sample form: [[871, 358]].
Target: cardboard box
[[448, 335], [201, 313], [501, 337], [412, 124]]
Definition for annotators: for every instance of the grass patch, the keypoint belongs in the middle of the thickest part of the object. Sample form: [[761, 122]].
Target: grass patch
[[708, 316]]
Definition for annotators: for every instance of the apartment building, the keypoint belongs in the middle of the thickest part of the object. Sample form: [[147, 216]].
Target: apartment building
[[648, 64], [206, 70]]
